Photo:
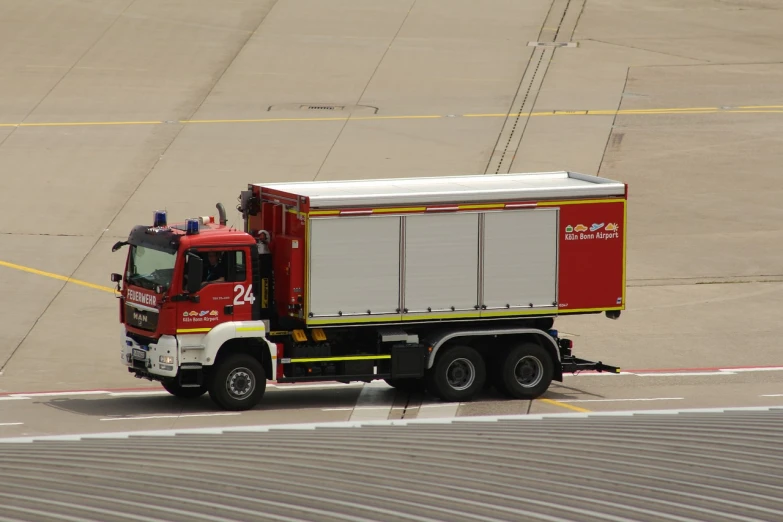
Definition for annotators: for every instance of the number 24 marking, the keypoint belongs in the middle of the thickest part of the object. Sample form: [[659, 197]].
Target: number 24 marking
[[243, 296]]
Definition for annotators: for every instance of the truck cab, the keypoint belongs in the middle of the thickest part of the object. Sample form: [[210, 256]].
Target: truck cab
[[189, 289]]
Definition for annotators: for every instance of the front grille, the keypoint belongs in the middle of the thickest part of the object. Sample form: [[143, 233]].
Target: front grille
[[143, 319]]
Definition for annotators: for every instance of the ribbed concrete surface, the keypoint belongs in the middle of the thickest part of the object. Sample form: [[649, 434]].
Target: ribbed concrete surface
[[713, 466]]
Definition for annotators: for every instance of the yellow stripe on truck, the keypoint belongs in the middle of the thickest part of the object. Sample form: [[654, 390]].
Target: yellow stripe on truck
[[330, 359]]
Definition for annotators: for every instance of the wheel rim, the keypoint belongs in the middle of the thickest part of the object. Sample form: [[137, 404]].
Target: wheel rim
[[460, 374], [240, 383], [528, 371]]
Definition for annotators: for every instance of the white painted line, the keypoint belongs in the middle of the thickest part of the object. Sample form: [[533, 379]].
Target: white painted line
[[148, 417], [772, 395], [374, 402], [10, 398], [626, 400], [263, 428], [684, 374], [11, 423]]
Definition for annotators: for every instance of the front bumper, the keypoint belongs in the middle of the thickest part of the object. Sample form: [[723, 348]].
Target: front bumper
[[153, 358]]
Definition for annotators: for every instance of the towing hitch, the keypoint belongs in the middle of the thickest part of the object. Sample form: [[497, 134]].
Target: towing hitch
[[572, 364]]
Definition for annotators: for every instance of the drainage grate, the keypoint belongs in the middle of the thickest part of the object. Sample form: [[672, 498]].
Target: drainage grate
[[552, 44], [323, 107]]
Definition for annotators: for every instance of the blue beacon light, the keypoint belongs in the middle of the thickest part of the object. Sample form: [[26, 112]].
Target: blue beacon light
[[193, 225], [159, 218]]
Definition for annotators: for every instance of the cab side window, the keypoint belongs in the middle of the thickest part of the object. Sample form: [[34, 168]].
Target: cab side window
[[221, 266], [238, 267]]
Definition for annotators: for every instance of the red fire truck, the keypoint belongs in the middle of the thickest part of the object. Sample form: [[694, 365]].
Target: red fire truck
[[445, 285]]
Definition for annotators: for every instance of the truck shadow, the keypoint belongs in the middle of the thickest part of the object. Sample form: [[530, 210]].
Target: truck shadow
[[140, 406], [289, 400]]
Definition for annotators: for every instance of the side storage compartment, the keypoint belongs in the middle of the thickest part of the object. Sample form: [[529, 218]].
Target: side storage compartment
[[354, 267], [441, 276], [520, 261]]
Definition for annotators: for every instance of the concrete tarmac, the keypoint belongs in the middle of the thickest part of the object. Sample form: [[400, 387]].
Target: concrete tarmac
[[112, 109]]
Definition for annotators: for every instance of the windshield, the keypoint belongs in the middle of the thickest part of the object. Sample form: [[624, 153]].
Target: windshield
[[149, 268]]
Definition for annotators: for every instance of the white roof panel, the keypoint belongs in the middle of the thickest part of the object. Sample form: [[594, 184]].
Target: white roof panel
[[450, 189]]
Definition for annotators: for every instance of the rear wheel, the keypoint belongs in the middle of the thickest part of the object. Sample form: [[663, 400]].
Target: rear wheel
[[238, 382], [525, 372], [184, 392], [458, 374]]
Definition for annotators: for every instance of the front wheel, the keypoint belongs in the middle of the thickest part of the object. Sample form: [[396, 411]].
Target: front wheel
[[525, 372], [184, 392], [458, 374], [238, 383]]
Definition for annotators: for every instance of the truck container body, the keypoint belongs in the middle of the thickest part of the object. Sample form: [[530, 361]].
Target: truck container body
[[446, 284]]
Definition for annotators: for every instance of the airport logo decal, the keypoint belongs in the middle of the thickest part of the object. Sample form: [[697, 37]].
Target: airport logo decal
[[596, 231], [204, 316]]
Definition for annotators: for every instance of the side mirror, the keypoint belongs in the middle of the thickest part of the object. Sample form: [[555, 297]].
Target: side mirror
[[116, 278], [118, 245], [195, 270]]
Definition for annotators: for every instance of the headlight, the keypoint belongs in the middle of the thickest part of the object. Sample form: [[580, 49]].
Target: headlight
[[166, 359]]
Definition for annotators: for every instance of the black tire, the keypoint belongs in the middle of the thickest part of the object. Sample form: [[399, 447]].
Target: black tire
[[176, 389], [237, 383], [408, 385], [526, 371], [458, 374]]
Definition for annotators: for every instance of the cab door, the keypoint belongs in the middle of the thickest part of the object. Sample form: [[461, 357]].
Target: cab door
[[226, 292]]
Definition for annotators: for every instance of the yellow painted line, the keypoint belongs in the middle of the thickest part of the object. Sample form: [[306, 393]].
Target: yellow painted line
[[56, 276], [87, 123], [772, 109], [268, 120], [194, 330], [495, 115], [411, 117], [324, 212], [564, 405]]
